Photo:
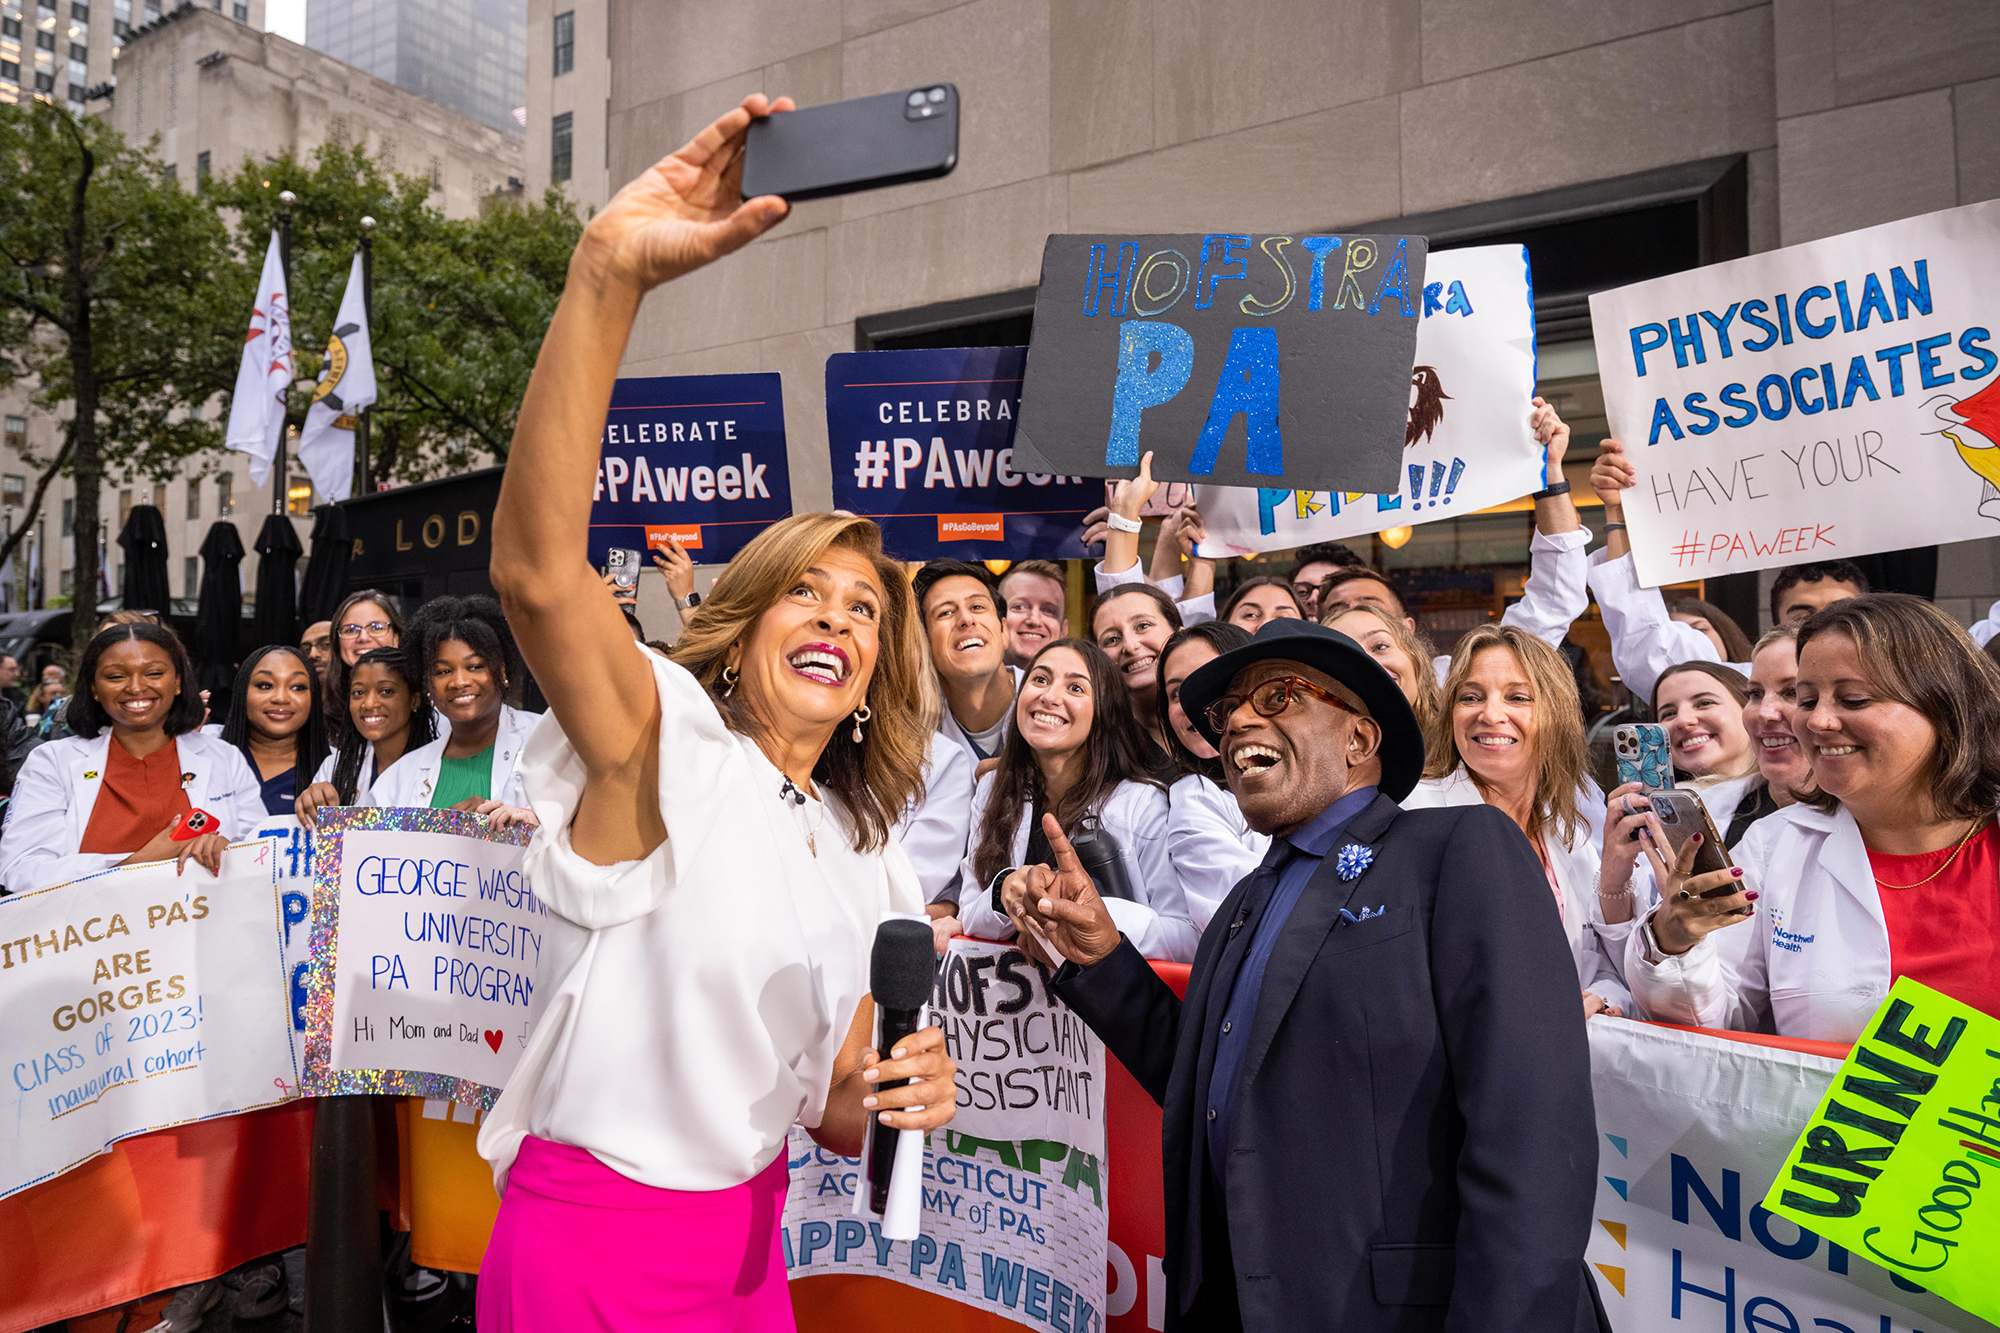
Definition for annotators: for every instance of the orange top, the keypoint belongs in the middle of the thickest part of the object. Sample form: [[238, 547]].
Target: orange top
[[137, 799]]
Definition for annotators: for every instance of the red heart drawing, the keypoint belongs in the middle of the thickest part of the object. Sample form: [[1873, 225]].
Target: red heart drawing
[[493, 1039]]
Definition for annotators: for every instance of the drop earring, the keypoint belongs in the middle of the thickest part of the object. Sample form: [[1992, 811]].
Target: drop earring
[[729, 678], [861, 714]]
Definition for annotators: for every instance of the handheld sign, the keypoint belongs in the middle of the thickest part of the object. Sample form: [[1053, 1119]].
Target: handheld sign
[[697, 457], [426, 950], [1901, 1162], [1819, 402], [1467, 443], [1238, 360], [923, 443]]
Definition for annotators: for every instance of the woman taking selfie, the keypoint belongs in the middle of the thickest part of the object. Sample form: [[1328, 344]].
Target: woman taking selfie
[[115, 791], [1511, 735], [273, 710], [1074, 752], [465, 656], [1209, 845], [715, 851], [386, 717], [1888, 869]]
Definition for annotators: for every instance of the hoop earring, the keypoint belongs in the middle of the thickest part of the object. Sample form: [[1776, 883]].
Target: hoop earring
[[729, 678], [861, 714]]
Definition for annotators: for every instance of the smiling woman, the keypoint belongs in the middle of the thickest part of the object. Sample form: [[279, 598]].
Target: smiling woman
[[273, 719]]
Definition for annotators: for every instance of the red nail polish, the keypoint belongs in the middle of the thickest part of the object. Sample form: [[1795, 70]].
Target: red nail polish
[[1736, 871], [1751, 896]]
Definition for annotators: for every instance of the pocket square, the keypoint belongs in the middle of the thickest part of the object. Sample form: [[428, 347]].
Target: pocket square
[[1367, 913]]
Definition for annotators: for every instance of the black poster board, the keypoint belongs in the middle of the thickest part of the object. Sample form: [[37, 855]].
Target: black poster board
[[1237, 359]]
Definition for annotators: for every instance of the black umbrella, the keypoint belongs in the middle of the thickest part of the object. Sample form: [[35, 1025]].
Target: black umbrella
[[145, 541], [278, 552], [326, 570], [220, 614]]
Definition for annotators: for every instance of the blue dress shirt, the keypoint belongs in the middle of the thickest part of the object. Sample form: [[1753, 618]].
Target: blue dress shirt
[[1309, 846]]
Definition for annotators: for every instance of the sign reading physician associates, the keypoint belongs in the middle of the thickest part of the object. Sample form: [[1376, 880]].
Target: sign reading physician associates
[[700, 458]]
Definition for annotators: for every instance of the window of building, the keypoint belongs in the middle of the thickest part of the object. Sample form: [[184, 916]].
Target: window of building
[[190, 577], [67, 582], [299, 496], [76, 92], [225, 495], [171, 171], [194, 497], [78, 51], [69, 524], [559, 147], [79, 11], [565, 42], [45, 83], [10, 70], [10, 26], [242, 12], [201, 166], [45, 41], [17, 433], [13, 491]]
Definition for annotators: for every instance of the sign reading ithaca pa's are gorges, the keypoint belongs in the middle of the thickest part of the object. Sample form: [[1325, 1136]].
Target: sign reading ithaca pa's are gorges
[[1238, 360]]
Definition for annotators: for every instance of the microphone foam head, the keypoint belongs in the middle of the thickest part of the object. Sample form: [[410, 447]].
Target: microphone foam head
[[902, 964]]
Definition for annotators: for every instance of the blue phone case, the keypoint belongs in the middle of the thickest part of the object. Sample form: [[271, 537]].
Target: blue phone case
[[1643, 755]]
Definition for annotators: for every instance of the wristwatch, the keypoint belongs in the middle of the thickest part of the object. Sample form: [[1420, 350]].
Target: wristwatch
[[693, 600], [1550, 492]]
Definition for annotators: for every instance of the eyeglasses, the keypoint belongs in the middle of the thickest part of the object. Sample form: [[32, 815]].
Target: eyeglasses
[[376, 627], [1271, 698]]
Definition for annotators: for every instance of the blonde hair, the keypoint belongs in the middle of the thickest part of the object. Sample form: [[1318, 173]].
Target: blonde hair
[[1429, 700], [1560, 755], [877, 779]]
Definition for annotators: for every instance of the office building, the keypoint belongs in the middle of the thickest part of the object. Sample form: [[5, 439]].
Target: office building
[[469, 55]]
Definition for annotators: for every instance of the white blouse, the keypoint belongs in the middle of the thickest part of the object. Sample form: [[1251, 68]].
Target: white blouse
[[692, 1003], [1209, 845]]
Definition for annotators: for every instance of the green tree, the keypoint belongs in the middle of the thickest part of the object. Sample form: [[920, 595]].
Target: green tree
[[459, 306], [115, 281]]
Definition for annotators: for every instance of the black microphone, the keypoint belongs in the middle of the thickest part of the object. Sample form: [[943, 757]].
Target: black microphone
[[900, 973]]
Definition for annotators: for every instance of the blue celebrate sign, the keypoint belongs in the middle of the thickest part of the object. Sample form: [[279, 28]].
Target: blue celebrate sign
[[923, 443], [697, 457], [1237, 360]]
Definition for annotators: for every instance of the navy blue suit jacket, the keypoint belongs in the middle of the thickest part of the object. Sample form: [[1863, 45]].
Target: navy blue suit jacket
[[1414, 1145]]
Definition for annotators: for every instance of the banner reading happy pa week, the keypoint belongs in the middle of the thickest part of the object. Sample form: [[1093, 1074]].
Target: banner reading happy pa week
[[1819, 402], [923, 443], [1237, 360], [700, 457]]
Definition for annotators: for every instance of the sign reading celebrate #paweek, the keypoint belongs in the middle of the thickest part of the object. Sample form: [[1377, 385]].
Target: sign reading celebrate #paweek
[[1237, 360], [697, 457], [1814, 403], [923, 443]]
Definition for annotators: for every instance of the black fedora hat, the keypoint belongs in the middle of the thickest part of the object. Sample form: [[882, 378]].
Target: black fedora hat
[[1331, 652]]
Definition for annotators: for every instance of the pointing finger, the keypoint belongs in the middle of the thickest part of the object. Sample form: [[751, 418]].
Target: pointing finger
[[1066, 860]]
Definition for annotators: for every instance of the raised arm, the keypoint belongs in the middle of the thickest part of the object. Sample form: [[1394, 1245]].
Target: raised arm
[[683, 212]]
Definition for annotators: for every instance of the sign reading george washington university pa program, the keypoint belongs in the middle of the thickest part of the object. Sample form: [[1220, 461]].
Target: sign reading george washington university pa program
[[1819, 402], [1237, 360], [700, 458]]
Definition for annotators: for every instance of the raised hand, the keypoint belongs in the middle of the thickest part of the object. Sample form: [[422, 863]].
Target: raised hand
[[677, 567], [1612, 474], [1130, 495], [1552, 433], [685, 210], [1069, 914]]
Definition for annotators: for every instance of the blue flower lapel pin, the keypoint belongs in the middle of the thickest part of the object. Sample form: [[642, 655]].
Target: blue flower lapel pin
[[1354, 858]]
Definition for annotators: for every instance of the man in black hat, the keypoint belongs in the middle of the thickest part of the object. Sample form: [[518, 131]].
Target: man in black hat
[[1377, 1091]]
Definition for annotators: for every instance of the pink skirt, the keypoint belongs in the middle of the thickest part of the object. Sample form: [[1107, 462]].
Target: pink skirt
[[579, 1248]]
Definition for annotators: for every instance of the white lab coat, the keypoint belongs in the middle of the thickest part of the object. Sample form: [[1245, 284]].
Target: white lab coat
[[1159, 923], [1645, 640], [1575, 867], [1209, 845], [1555, 594], [1194, 611], [363, 784], [411, 780], [1812, 962], [933, 831], [58, 787], [1983, 631]]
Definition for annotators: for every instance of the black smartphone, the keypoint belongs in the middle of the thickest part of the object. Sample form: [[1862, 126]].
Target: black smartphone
[[861, 144]]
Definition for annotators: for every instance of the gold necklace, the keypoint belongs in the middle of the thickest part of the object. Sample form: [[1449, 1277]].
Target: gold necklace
[[1977, 825]]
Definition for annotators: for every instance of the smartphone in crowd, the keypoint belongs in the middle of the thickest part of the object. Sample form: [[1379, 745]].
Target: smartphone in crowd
[[1682, 815], [861, 144], [622, 564], [1643, 755]]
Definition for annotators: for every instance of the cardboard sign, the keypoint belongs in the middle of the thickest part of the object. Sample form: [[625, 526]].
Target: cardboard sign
[[1028, 1067], [427, 944], [1467, 443], [923, 443], [699, 456], [138, 999], [1901, 1159], [1693, 1128], [1814, 403], [1237, 360], [293, 869]]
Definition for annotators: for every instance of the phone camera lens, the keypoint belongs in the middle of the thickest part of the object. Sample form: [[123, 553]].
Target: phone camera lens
[[917, 98], [937, 94]]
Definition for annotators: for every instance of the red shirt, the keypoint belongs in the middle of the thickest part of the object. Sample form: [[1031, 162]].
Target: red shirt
[[137, 799], [1946, 932]]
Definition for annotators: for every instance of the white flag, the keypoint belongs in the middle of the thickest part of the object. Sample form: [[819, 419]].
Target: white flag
[[346, 385], [257, 409]]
